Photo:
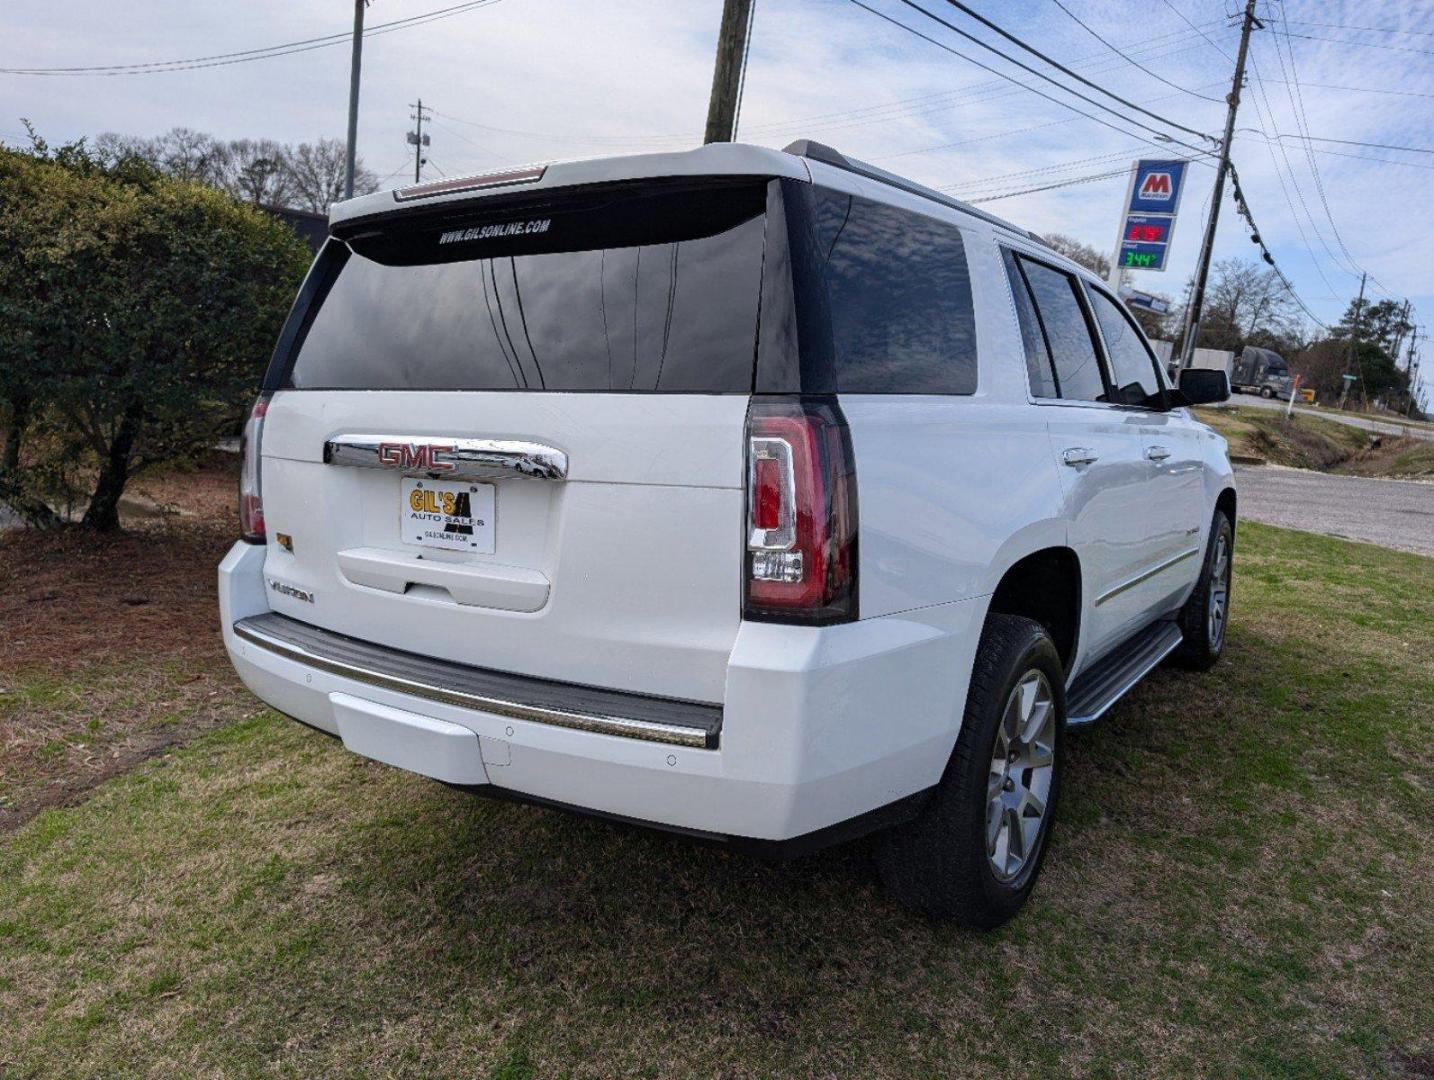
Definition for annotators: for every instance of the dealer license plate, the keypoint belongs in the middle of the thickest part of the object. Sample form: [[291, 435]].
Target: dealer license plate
[[455, 515]]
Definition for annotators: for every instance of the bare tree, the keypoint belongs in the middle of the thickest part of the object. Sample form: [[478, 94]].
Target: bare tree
[[257, 171], [180, 152], [1077, 252], [1248, 304], [310, 175], [316, 174]]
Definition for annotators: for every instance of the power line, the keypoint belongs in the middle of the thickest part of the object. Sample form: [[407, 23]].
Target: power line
[[458, 134], [1051, 187], [1049, 60], [924, 104], [1159, 46], [1364, 44], [1123, 171], [1296, 100], [976, 139], [159, 67], [1243, 208], [1361, 157], [1314, 165], [1133, 63], [1013, 80], [1208, 39], [987, 181], [1267, 115], [1363, 89], [1352, 142], [994, 135], [1371, 29]]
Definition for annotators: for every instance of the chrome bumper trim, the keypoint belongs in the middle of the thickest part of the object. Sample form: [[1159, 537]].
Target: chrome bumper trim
[[373, 675]]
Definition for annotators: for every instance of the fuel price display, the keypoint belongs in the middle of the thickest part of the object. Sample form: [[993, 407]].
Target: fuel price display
[[1147, 230]]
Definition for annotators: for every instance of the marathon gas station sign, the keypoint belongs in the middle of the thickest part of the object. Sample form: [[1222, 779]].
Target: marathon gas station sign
[[1149, 218]]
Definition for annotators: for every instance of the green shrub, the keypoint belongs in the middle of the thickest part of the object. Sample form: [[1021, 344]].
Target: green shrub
[[137, 312]]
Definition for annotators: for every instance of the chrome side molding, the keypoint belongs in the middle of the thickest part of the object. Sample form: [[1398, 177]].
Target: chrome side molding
[[443, 458], [1146, 576]]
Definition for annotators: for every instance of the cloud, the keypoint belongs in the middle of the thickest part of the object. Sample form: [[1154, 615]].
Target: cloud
[[532, 80]]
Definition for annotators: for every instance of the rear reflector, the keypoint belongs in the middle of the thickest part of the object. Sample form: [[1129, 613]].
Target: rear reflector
[[527, 175], [801, 513]]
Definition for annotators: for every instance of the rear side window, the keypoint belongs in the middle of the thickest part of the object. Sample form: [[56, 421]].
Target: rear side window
[[1132, 367], [1038, 358], [900, 290], [1065, 332], [623, 292]]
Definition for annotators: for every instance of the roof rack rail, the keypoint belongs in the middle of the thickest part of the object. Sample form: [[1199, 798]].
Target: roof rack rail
[[809, 148]]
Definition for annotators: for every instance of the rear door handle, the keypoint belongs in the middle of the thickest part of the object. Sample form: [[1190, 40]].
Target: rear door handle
[[1157, 453], [1079, 455]]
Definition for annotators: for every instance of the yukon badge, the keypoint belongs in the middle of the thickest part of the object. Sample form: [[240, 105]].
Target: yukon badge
[[291, 590]]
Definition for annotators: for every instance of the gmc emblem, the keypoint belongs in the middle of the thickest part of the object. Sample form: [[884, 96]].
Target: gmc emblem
[[421, 456]]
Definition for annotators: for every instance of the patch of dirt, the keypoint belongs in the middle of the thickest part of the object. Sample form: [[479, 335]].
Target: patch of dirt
[[1407, 458], [1299, 443], [101, 631]]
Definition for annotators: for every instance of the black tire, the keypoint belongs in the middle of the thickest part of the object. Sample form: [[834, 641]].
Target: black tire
[[1266, 392], [1203, 645], [940, 864]]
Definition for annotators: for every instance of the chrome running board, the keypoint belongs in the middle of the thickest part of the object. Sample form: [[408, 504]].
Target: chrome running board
[[1096, 689]]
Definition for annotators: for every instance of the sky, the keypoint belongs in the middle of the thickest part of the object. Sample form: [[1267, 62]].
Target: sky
[[518, 81]]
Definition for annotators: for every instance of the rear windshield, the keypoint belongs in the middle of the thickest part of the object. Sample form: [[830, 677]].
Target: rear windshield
[[638, 291]]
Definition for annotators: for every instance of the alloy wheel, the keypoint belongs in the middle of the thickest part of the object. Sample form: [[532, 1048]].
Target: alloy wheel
[[1218, 606], [1019, 783]]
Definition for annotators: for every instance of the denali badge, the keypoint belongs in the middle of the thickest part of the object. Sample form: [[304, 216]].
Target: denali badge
[[289, 590], [416, 456]]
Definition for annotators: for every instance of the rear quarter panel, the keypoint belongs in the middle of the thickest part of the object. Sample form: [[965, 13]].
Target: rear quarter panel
[[951, 493], [952, 490]]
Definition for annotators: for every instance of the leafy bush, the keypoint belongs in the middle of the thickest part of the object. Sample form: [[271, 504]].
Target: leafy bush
[[136, 315]]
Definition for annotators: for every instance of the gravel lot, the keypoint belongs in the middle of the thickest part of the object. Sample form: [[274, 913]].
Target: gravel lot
[[1392, 513]]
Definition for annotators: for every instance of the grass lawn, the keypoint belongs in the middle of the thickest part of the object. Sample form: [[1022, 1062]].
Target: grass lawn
[[1242, 884]]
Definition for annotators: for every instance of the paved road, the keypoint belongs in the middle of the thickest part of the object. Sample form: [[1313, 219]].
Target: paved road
[[1254, 401], [1393, 513]]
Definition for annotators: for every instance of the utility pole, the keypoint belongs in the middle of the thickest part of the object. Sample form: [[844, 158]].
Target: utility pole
[[353, 98], [1355, 335], [1207, 248], [418, 140], [1413, 370], [728, 71], [1399, 334]]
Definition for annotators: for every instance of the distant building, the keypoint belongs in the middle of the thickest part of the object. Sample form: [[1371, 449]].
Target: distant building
[[312, 228]]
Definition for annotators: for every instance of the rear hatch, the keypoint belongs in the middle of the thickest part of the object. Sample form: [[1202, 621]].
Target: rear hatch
[[511, 435]]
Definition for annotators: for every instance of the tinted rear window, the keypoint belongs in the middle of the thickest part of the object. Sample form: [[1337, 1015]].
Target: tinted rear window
[[900, 291], [634, 292], [1057, 301]]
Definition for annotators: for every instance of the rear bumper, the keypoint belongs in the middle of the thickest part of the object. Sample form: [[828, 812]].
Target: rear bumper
[[819, 726]]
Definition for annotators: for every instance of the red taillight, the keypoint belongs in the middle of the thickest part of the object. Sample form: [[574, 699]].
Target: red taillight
[[801, 513], [251, 500]]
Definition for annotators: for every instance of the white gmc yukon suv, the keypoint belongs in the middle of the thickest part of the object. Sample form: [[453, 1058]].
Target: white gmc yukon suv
[[763, 497]]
